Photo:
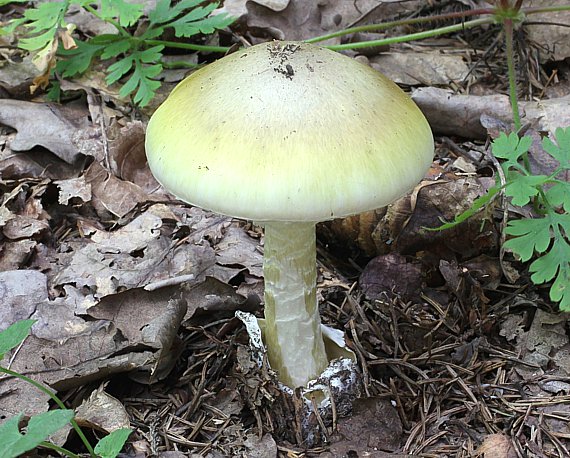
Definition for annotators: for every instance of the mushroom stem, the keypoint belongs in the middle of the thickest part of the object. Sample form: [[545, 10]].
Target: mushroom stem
[[292, 323]]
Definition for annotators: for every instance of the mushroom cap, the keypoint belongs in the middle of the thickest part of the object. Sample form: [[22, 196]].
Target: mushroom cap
[[288, 131]]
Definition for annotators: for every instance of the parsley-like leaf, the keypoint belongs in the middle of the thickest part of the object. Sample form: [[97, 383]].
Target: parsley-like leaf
[[197, 21], [76, 61], [530, 235], [521, 188], [555, 264], [164, 12], [141, 79], [43, 23], [561, 150], [511, 148], [559, 195], [127, 13]]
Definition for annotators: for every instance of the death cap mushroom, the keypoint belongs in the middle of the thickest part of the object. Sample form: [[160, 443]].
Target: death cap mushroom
[[288, 131]]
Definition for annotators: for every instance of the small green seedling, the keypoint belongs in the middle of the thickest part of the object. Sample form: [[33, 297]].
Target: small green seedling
[[40, 427], [545, 236]]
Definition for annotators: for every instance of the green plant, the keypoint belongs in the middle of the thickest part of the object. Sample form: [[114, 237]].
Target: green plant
[[546, 236], [137, 55], [40, 427], [139, 58]]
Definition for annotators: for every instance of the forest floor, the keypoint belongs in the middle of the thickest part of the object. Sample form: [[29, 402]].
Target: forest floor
[[135, 292]]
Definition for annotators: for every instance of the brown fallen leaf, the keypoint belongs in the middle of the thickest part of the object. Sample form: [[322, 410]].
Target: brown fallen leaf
[[374, 426], [421, 68], [65, 131], [127, 157], [460, 115], [102, 412], [73, 188], [496, 446], [111, 195], [545, 343], [14, 255], [302, 19], [392, 274]]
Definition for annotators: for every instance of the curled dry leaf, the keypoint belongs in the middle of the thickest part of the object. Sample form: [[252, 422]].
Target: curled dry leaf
[[401, 226], [301, 19], [128, 159], [391, 274], [421, 68], [496, 446], [111, 196], [460, 115], [66, 132], [102, 412]]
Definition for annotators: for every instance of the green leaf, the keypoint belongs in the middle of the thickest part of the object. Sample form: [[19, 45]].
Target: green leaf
[[127, 13], [38, 41], [530, 235], [118, 47], [54, 92], [559, 195], [196, 21], [5, 2], [510, 147], [43, 23], [14, 335], [164, 12], [555, 264], [45, 16], [118, 69], [521, 188], [141, 80], [110, 446], [40, 427], [76, 61], [561, 150]]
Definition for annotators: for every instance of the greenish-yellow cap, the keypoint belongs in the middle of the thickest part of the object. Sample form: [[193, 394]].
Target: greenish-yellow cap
[[288, 131]]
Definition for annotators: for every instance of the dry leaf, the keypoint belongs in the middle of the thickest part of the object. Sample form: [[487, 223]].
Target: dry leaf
[[66, 132], [102, 412], [496, 446], [421, 68]]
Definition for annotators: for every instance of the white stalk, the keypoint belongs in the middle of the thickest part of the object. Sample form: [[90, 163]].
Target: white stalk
[[292, 323]]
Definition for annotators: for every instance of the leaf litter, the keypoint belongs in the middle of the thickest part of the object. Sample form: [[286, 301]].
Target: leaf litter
[[134, 294]]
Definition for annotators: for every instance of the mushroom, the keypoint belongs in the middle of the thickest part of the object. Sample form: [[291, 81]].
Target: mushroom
[[288, 134]]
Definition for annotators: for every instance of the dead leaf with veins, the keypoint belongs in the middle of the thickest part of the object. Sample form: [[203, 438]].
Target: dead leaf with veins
[[421, 68], [302, 19], [66, 132]]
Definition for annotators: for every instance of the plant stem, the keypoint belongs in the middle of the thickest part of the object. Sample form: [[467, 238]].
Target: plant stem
[[388, 25], [57, 448], [545, 9], [508, 27], [55, 399], [191, 46], [292, 323], [413, 36]]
